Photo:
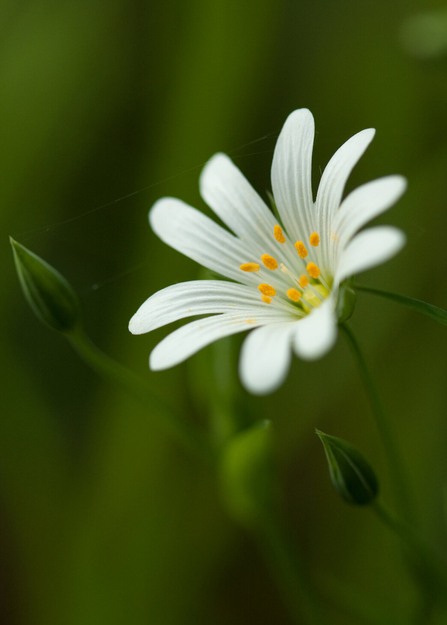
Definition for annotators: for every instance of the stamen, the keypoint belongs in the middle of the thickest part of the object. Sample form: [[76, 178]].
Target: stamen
[[303, 281], [266, 299], [315, 292], [294, 295], [266, 289], [278, 234], [301, 249], [324, 283], [314, 239], [269, 262], [313, 270], [249, 267]]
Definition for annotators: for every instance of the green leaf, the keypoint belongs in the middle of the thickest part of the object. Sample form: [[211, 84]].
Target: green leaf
[[48, 293], [246, 474], [438, 314], [351, 474]]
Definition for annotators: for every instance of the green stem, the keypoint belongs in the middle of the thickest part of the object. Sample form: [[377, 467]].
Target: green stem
[[438, 314], [432, 570], [398, 476], [285, 562], [112, 371]]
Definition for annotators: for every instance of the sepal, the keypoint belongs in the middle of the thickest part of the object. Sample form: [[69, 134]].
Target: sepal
[[351, 474], [48, 293]]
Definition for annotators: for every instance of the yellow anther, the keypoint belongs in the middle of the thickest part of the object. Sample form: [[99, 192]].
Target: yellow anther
[[313, 270], [266, 299], [301, 249], [269, 262], [278, 234], [266, 289], [314, 239], [249, 267], [303, 281], [294, 295]]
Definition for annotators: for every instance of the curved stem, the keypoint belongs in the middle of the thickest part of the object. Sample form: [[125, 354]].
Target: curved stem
[[432, 569], [401, 488], [283, 558], [174, 425]]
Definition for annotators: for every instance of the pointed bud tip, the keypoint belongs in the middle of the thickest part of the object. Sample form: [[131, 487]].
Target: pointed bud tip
[[351, 474], [48, 293]]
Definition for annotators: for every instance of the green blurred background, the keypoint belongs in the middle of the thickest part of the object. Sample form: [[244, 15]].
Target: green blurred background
[[105, 107]]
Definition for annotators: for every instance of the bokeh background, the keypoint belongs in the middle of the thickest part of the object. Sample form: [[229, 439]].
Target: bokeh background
[[107, 106]]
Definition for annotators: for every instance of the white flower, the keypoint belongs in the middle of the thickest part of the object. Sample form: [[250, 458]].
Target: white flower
[[285, 278]]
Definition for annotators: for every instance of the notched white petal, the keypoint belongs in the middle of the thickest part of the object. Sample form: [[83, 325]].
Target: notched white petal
[[366, 203], [368, 249], [189, 299], [193, 234], [226, 190], [316, 334], [192, 337], [337, 172], [292, 174], [265, 357]]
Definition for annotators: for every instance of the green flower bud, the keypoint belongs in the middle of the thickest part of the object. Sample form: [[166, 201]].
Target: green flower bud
[[246, 473], [351, 474], [48, 293], [347, 299]]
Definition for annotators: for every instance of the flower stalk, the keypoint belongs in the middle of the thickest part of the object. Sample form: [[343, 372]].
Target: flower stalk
[[431, 568], [112, 371], [392, 452]]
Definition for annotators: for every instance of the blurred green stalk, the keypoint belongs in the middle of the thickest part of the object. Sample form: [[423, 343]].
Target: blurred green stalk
[[174, 425], [397, 471]]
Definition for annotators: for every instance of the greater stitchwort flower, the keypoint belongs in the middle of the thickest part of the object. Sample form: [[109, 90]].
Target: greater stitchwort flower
[[285, 277]]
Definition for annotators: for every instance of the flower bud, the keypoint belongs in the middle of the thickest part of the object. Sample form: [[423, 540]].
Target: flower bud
[[346, 301], [48, 293], [351, 474]]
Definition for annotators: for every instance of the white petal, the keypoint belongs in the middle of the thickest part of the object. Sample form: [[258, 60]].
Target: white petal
[[337, 172], [265, 357], [369, 248], [332, 184], [192, 337], [364, 204], [291, 174], [198, 297], [316, 334], [233, 199], [193, 234]]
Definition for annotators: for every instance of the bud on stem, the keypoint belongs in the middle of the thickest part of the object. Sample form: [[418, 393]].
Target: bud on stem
[[351, 474], [48, 293]]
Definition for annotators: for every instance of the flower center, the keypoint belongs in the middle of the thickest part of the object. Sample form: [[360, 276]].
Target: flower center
[[307, 291]]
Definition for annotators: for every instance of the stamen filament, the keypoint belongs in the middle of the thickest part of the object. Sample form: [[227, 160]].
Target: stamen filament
[[289, 274], [324, 283], [314, 290]]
